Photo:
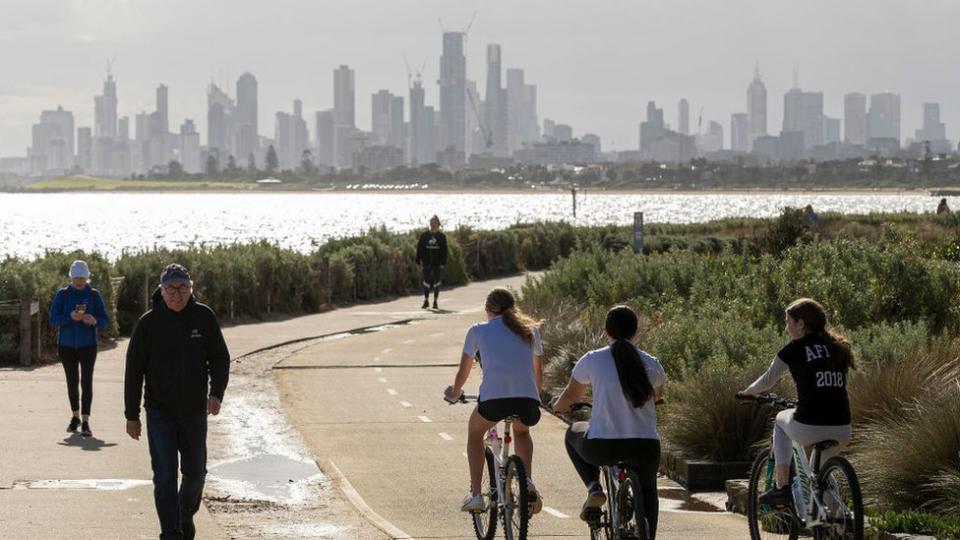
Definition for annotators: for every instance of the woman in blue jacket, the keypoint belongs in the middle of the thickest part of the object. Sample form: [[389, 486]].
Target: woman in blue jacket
[[77, 312]]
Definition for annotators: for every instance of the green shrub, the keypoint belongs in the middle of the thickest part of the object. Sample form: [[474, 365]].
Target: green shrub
[[914, 522]]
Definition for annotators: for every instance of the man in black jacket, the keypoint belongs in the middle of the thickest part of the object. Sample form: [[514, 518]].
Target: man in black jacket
[[432, 256], [178, 350]]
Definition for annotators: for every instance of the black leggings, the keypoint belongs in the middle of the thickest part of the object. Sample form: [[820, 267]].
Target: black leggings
[[78, 366], [643, 455]]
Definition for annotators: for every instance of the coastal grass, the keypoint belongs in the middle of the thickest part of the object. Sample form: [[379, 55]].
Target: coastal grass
[[90, 183]]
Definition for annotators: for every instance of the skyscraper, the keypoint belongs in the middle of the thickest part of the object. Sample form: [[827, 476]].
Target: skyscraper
[[397, 133], [855, 118], [190, 148], [52, 148], [380, 117], [756, 108], [163, 107], [84, 148], [221, 123], [803, 112], [324, 132], [831, 130], [105, 110], [739, 133], [453, 93], [421, 128], [934, 131], [883, 119], [683, 117], [496, 105], [516, 110], [344, 96], [248, 131]]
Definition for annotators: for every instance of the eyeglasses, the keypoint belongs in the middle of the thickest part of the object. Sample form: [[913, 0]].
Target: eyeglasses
[[178, 289]]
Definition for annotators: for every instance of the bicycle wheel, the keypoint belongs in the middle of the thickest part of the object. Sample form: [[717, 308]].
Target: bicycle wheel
[[842, 501], [516, 513], [633, 520], [767, 523], [485, 523]]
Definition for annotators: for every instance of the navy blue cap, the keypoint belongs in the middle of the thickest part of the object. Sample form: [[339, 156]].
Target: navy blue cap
[[174, 273]]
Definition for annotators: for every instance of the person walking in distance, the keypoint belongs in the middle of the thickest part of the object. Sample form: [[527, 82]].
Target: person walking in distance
[[77, 312], [178, 350], [432, 258]]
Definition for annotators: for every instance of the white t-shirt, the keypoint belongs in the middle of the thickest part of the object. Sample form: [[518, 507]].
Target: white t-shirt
[[613, 416], [506, 360]]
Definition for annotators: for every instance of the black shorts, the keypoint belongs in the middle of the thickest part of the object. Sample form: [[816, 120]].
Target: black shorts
[[496, 410]]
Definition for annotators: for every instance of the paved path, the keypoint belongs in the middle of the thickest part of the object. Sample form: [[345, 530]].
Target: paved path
[[369, 407], [384, 437]]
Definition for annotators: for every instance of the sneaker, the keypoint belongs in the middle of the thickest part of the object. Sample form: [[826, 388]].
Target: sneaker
[[473, 503], [426, 304], [435, 305], [74, 424], [776, 497], [534, 499], [85, 429], [189, 530], [596, 498]]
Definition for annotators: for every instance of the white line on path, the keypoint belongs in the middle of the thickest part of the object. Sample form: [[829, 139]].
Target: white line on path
[[445, 436], [409, 341], [391, 391], [405, 404], [362, 506], [424, 419], [554, 512], [382, 379], [378, 369], [385, 351], [465, 455]]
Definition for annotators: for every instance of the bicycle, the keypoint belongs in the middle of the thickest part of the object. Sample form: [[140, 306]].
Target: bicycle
[[831, 507], [623, 517], [506, 477]]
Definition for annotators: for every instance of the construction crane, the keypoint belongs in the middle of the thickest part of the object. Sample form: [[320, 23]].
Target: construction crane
[[484, 130], [414, 75]]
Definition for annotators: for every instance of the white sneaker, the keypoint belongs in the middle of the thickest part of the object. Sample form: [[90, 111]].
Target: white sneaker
[[534, 498], [473, 503]]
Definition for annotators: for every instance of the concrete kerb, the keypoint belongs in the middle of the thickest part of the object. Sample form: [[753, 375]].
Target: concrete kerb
[[348, 491]]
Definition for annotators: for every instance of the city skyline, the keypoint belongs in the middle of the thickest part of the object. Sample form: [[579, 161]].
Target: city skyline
[[611, 110]]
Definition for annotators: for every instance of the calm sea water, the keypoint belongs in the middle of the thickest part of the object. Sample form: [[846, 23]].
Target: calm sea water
[[114, 222]]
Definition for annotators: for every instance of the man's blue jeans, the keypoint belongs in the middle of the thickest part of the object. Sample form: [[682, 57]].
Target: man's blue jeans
[[169, 436]]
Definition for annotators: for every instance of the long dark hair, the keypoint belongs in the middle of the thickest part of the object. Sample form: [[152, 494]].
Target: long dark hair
[[501, 302], [814, 318], [621, 325]]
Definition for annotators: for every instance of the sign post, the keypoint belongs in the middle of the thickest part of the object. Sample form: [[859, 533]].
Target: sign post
[[638, 232]]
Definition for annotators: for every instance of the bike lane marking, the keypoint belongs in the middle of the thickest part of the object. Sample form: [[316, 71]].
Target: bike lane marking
[[445, 436], [425, 419], [554, 512]]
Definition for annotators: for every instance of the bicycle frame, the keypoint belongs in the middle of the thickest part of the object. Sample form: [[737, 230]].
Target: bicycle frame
[[815, 513], [501, 452], [611, 477]]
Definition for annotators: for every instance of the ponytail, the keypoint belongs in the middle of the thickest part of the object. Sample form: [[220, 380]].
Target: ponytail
[[814, 317], [621, 325], [501, 302]]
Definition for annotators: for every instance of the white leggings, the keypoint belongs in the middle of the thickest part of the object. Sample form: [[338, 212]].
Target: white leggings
[[786, 429]]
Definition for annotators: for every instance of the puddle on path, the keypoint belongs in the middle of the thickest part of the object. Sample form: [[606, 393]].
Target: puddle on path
[[681, 500], [267, 476], [102, 485]]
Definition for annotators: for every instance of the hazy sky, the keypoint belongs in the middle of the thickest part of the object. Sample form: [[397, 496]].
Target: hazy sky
[[596, 62]]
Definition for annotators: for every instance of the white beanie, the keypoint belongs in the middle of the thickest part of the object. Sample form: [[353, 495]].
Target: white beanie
[[79, 269]]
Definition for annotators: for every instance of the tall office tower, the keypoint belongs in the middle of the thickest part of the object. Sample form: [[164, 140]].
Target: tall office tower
[[422, 150], [52, 147], [325, 120], [831, 130], [344, 116], [933, 129], [683, 117], [380, 117], [163, 102], [883, 119], [563, 133], [105, 110], [142, 127], [855, 118], [221, 123], [344, 96], [651, 129], [190, 148], [516, 110], [84, 148], [248, 130], [301, 137], [284, 140], [594, 141], [756, 108], [740, 132], [803, 112], [532, 124], [548, 129], [453, 93], [397, 133], [496, 105], [476, 133], [123, 128]]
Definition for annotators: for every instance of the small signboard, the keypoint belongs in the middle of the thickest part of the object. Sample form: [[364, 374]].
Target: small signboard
[[638, 231]]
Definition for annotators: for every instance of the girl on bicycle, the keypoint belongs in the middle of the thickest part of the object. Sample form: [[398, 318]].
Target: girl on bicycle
[[818, 360], [623, 426], [509, 345]]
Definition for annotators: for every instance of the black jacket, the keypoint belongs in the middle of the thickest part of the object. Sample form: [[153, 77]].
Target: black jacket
[[177, 354], [432, 249]]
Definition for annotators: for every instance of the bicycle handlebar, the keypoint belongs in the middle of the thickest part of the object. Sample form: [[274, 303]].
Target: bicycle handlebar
[[464, 398], [771, 399]]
